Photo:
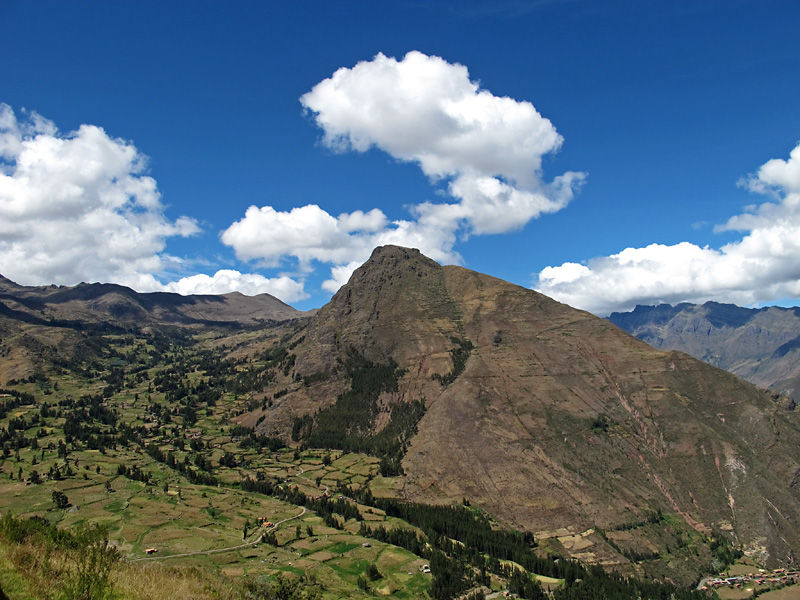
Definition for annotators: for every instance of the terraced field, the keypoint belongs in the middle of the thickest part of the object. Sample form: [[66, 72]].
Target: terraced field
[[149, 504]]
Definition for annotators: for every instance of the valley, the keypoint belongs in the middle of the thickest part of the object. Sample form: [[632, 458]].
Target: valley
[[118, 443]]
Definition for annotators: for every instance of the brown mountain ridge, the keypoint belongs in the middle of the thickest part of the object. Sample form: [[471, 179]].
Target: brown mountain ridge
[[39, 323], [551, 419], [117, 304]]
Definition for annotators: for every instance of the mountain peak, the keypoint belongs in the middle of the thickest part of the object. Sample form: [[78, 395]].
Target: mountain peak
[[391, 258], [398, 252], [388, 301], [5, 282], [552, 417]]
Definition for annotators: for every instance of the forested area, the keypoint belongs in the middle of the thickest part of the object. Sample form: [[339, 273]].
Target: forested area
[[348, 424]]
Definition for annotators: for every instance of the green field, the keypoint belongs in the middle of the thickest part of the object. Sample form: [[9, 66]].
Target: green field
[[148, 504]]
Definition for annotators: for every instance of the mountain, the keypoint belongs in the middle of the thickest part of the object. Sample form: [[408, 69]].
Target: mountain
[[46, 323], [761, 345], [110, 303], [548, 418], [470, 390]]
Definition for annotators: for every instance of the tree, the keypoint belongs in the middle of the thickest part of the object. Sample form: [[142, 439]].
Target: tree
[[373, 573], [269, 538], [60, 500]]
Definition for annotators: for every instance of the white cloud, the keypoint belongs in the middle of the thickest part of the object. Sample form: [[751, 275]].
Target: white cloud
[[778, 175], [493, 206], [250, 284], [309, 233], [78, 207], [762, 266], [424, 110]]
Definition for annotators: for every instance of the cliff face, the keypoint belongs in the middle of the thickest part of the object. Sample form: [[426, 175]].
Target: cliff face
[[760, 345], [548, 417]]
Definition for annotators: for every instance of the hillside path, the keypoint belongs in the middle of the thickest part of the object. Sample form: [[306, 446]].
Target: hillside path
[[300, 475]]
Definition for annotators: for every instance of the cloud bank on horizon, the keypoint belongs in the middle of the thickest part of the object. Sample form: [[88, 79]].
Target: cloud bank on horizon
[[82, 207], [763, 266]]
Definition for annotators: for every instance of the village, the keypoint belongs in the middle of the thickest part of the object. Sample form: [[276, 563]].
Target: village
[[762, 577]]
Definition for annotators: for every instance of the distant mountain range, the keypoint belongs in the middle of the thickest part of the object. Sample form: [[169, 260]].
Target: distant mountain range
[[41, 323], [472, 389], [115, 304], [761, 345]]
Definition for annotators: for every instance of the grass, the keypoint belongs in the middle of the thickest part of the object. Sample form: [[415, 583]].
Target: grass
[[206, 518], [166, 582], [14, 585], [343, 547], [787, 593]]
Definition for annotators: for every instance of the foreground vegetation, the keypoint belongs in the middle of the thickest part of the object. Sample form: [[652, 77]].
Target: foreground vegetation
[[125, 474]]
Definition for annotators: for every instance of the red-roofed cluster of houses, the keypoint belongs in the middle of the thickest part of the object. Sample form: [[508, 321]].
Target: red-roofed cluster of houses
[[782, 576]]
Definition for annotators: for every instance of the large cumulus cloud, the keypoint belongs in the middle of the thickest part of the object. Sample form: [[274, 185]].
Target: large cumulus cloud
[[762, 266], [485, 150], [81, 207], [249, 284]]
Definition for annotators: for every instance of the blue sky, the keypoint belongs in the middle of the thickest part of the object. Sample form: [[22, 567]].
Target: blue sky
[[605, 153]]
